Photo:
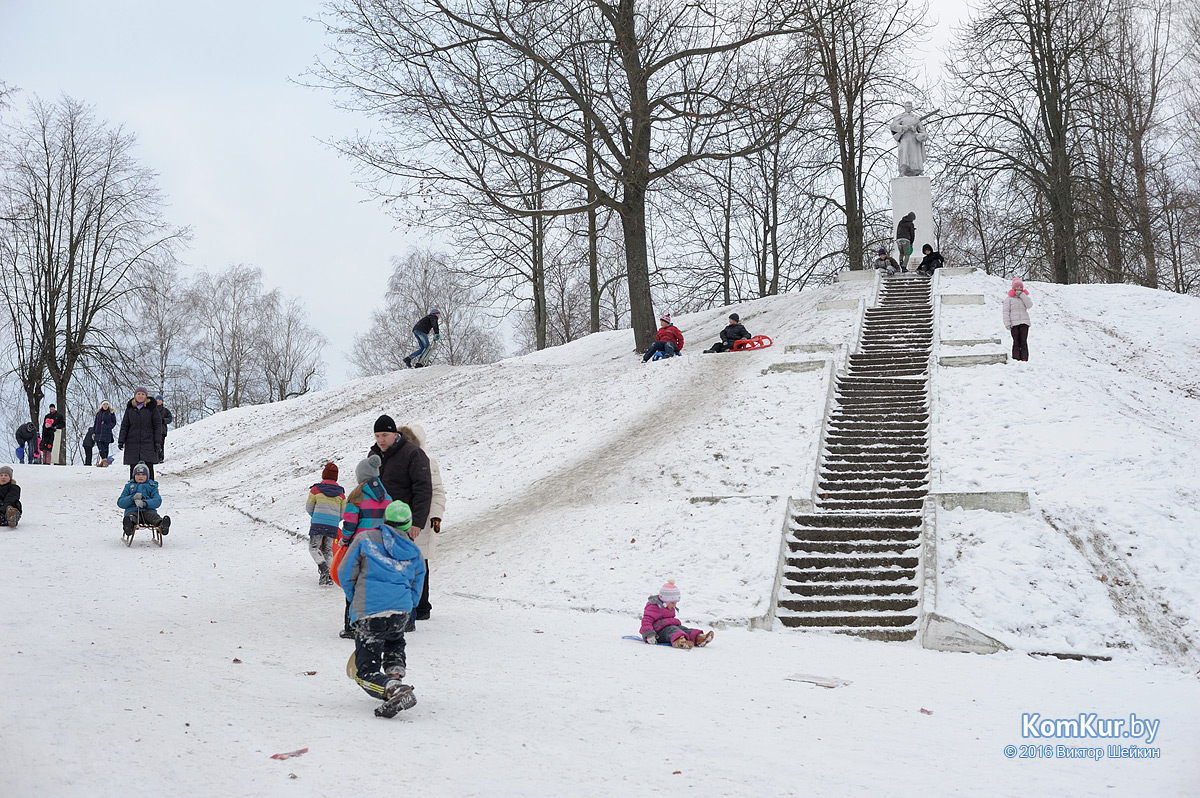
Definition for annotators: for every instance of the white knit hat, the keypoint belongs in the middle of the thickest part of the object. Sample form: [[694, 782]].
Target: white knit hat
[[668, 592]]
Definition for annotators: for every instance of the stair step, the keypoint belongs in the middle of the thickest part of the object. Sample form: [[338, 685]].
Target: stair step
[[836, 467], [866, 619], [852, 484], [848, 605], [847, 575], [871, 505], [855, 521], [860, 547], [852, 589], [874, 494]]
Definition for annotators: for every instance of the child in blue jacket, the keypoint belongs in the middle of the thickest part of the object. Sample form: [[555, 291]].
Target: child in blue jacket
[[382, 575], [140, 500]]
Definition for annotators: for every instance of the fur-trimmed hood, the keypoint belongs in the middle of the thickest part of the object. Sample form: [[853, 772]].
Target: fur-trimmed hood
[[414, 434]]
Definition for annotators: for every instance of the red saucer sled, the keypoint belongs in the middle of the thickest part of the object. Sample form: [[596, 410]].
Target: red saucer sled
[[757, 342]]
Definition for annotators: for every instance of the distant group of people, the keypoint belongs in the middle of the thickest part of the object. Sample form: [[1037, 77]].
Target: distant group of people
[[142, 434]]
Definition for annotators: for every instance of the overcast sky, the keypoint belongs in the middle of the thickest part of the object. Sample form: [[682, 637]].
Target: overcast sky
[[207, 89]]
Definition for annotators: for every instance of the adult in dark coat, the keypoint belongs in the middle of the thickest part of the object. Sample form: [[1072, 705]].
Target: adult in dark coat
[[27, 440], [167, 418], [141, 431], [906, 234], [404, 471], [102, 428]]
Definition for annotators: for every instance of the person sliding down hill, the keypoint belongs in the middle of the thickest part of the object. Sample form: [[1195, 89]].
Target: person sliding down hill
[[732, 333], [667, 340], [421, 332], [140, 500]]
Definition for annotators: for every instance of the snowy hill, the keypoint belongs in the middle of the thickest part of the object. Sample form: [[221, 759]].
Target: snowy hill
[[579, 479]]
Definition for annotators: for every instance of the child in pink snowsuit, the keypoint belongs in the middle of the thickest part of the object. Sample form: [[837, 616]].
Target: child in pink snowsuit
[[659, 624]]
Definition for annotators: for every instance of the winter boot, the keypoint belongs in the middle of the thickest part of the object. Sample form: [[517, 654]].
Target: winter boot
[[346, 634], [408, 362], [395, 671], [323, 577], [127, 526], [164, 526], [681, 642], [704, 638], [396, 697], [12, 515]]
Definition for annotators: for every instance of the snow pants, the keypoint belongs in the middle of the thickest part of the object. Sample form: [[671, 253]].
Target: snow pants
[[102, 448], [421, 611], [668, 634], [1020, 336], [320, 547], [666, 347], [140, 517], [379, 645]]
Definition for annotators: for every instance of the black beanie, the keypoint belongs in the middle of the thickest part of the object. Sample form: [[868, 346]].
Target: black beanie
[[734, 317], [385, 424]]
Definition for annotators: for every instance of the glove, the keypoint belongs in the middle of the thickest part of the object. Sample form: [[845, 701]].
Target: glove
[[141, 505], [138, 497], [120, 446], [651, 640], [436, 523], [437, 337]]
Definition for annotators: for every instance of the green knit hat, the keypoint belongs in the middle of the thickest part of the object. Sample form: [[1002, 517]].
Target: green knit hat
[[398, 515]]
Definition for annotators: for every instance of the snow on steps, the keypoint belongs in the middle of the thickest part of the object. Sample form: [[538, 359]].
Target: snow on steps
[[852, 565]]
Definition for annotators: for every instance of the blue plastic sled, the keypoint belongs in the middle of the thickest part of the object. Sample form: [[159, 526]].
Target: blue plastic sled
[[640, 640]]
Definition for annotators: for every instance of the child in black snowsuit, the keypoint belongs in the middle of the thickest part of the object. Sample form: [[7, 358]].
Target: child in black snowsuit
[[735, 331], [10, 498], [931, 260]]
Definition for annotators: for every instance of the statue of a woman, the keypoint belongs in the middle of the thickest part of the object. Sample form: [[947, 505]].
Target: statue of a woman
[[909, 131]]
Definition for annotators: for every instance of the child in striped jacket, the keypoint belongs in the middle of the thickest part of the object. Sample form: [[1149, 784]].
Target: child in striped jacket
[[365, 507], [325, 505]]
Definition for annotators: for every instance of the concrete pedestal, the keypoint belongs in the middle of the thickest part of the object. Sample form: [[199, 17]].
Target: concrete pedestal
[[914, 194]]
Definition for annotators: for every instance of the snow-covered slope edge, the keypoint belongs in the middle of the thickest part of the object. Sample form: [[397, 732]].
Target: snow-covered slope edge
[[579, 475], [1101, 426]]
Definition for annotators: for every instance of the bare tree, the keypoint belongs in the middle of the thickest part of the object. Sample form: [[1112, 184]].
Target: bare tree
[[1020, 72], [447, 79], [227, 343], [861, 58], [82, 214], [420, 281], [291, 349]]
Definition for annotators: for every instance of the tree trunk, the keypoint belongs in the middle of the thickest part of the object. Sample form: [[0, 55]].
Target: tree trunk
[[641, 305]]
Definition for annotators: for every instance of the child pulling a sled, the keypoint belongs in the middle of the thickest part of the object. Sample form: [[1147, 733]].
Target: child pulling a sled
[[659, 624], [382, 575], [141, 500]]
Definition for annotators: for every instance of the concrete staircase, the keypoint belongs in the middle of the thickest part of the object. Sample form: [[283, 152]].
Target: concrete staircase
[[852, 564]]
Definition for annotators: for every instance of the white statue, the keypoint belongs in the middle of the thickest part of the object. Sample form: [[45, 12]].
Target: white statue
[[909, 130]]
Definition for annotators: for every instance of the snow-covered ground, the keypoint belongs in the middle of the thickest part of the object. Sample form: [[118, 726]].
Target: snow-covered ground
[[579, 480]]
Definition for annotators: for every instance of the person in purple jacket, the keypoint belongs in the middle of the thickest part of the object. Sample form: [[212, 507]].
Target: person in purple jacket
[[659, 624]]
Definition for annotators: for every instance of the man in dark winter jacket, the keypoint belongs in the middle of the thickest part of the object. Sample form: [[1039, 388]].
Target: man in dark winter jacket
[[906, 234], [405, 474], [404, 471], [167, 418], [421, 330], [27, 441], [141, 432], [733, 332]]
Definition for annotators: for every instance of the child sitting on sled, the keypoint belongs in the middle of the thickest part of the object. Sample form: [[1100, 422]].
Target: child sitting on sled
[[659, 624], [140, 500], [734, 331], [382, 575]]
